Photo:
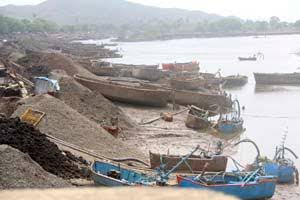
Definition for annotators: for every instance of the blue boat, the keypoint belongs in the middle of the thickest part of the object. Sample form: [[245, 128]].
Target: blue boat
[[231, 122], [247, 187], [284, 173], [107, 174], [282, 167], [230, 126]]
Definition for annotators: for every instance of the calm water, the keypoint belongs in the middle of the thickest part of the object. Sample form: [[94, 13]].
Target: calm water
[[270, 112]]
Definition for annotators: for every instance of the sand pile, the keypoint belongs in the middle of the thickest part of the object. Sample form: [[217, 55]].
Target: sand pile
[[27, 139], [18, 170], [64, 123], [8, 105], [93, 106], [41, 63]]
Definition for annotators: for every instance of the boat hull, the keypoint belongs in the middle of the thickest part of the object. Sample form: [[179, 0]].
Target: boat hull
[[199, 99], [127, 177], [216, 163], [284, 173], [260, 189], [235, 81], [247, 59], [126, 94], [195, 122], [187, 84], [277, 79], [230, 127]]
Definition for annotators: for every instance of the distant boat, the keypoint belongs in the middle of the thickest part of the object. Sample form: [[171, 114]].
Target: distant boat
[[246, 187], [107, 174], [126, 93], [277, 78], [251, 58]]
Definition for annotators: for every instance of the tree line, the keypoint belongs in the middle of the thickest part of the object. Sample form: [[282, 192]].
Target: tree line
[[151, 29]]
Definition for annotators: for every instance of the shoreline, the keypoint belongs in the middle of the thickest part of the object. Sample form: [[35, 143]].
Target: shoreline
[[205, 35]]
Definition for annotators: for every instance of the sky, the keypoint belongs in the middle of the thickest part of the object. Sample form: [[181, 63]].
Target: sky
[[287, 10]]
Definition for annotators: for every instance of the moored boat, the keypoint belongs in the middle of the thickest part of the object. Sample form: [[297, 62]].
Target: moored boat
[[195, 163], [251, 58], [235, 81], [126, 93], [200, 99], [189, 66], [230, 126], [244, 187], [107, 174], [277, 78], [187, 84]]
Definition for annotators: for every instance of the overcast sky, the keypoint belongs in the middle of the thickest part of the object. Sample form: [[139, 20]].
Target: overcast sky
[[288, 10]]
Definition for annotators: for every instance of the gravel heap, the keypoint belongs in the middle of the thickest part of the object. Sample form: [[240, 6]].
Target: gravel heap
[[65, 123], [27, 139], [93, 106], [18, 170]]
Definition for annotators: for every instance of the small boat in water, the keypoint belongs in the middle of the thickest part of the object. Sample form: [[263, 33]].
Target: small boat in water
[[195, 163], [277, 78], [126, 93], [251, 186], [251, 58], [107, 174]]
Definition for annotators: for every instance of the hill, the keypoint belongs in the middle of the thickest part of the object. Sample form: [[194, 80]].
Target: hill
[[115, 12]]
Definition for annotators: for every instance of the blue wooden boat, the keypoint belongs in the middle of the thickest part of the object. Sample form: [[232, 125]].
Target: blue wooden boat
[[285, 173], [230, 126], [107, 174], [232, 121], [282, 167], [248, 187]]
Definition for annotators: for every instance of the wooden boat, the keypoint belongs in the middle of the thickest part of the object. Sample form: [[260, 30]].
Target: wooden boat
[[230, 126], [200, 99], [196, 163], [198, 118], [126, 93], [187, 84], [242, 187], [235, 81], [282, 167], [189, 66], [277, 78], [251, 58], [147, 74], [106, 174]]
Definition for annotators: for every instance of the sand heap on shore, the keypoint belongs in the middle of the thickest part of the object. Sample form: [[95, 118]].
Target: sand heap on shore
[[27, 139], [64, 123], [93, 106], [18, 170], [42, 63]]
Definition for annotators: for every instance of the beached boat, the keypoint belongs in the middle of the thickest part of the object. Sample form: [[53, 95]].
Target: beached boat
[[235, 81], [251, 58], [187, 84], [106, 174], [277, 78], [200, 99], [230, 126], [147, 74], [231, 122], [250, 186], [282, 167], [195, 163], [126, 93], [189, 66]]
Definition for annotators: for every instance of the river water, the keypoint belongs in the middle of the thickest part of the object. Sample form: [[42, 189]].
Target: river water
[[270, 112]]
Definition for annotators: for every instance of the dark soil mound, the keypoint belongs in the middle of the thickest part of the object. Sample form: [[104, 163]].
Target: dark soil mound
[[27, 139], [18, 170], [8, 105]]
